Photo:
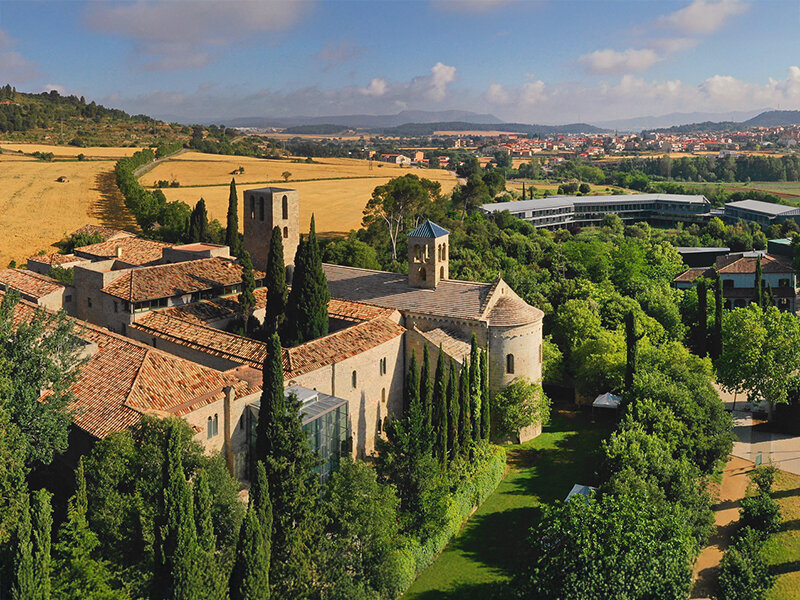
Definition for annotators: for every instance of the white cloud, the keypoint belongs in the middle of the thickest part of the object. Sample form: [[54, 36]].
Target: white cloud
[[470, 6], [613, 62], [376, 88], [5, 39], [179, 34], [497, 95], [533, 92], [704, 17], [441, 75], [54, 86], [334, 54]]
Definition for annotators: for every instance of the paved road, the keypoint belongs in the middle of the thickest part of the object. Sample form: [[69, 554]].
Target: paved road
[[782, 450]]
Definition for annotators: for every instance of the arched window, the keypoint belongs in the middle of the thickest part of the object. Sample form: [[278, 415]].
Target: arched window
[[444, 251], [510, 364], [285, 207], [216, 424], [354, 379], [261, 209], [441, 272], [383, 395], [210, 428], [417, 252], [285, 232], [252, 207], [422, 274]]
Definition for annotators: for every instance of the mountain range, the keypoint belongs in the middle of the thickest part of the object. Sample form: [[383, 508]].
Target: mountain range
[[369, 121]]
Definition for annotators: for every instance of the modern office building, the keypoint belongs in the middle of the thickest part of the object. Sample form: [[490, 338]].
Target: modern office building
[[763, 213]]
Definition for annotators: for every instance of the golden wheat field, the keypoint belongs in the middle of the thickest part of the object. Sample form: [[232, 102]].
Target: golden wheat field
[[68, 151], [337, 203], [36, 210]]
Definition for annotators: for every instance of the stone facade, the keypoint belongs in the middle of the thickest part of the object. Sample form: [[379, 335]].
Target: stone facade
[[264, 209]]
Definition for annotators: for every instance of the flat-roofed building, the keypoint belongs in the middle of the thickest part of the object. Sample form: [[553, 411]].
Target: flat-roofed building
[[763, 213]]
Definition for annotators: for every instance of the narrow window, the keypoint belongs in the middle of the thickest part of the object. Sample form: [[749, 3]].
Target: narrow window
[[210, 428], [252, 207], [285, 207], [116, 306], [216, 424], [441, 272], [383, 395], [541, 354], [261, 208], [285, 232], [89, 302], [510, 364], [422, 274], [354, 379]]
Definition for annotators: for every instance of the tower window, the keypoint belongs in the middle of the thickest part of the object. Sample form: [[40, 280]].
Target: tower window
[[212, 426], [422, 274], [441, 272], [252, 207], [541, 354], [510, 364], [285, 207], [383, 395], [382, 366], [286, 232], [354, 379], [261, 208]]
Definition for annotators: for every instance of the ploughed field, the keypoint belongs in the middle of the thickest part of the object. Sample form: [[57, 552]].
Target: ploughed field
[[335, 190], [36, 209]]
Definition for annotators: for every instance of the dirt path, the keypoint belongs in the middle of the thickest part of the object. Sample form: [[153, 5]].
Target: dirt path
[[726, 513]]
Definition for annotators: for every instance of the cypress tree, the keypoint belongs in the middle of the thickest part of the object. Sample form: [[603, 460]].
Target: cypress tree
[[24, 583], [439, 417], [426, 394], [453, 411], [717, 338], [523, 191], [207, 569], [42, 543], [308, 299], [486, 423], [464, 416], [275, 281], [412, 382], [250, 576], [269, 429], [178, 552], [630, 346], [758, 284], [247, 300], [702, 317], [475, 388], [78, 574], [198, 223], [769, 299], [232, 239]]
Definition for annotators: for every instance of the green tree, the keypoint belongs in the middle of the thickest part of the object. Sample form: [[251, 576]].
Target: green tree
[[232, 239], [307, 315], [464, 414], [24, 581], [208, 570], [397, 202], [176, 549], [352, 252], [702, 317], [439, 411], [78, 573], [521, 404], [198, 223], [475, 388], [275, 282], [453, 409], [743, 572], [716, 338], [42, 543], [412, 395], [631, 339], [758, 284], [247, 300], [250, 576], [426, 397], [486, 409]]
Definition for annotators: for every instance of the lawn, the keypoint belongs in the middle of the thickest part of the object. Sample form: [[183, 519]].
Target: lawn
[[782, 550], [490, 548]]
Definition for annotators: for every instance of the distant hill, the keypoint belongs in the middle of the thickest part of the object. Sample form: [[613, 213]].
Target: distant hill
[[419, 129], [769, 118], [650, 122], [366, 121], [323, 129]]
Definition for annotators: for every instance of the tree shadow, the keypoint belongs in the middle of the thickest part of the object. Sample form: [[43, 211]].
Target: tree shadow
[[786, 567], [109, 209], [482, 591]]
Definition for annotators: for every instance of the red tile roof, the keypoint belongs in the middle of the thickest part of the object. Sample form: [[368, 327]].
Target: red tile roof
[[55, 259], [747, 264], [28, 283], [694, 273], [132, 250], [106, 233], [176, 279]]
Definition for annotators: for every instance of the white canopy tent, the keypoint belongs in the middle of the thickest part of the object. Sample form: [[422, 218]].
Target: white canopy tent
[[580, 490], [607, 400]]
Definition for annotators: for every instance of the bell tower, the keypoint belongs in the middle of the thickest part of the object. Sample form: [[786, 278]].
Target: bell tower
[[264, 208], [428, 255]]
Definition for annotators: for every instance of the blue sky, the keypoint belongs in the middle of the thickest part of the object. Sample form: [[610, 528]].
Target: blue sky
[[543, 62]]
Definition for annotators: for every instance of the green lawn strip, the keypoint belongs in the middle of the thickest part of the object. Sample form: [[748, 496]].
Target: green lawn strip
[[480, 561], [782, 550]]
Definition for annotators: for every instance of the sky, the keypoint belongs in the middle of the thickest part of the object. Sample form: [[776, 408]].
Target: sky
[[549, 62]]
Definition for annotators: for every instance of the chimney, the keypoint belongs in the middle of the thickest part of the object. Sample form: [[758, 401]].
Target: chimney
[[119, 251]]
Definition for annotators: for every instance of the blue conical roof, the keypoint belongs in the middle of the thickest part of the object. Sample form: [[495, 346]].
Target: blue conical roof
[[428, 229]]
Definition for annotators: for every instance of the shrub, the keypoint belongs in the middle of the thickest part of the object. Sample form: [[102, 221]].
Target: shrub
[[764, 477], [65, 276], [743, 574], [761, 513], [521, 404]]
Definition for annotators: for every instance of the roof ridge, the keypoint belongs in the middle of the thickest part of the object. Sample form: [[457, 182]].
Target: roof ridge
[[485, 304]]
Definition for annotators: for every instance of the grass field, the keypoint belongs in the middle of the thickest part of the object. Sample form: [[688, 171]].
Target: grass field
[[490, 548], [337, 195], [68, 151], [37, 210], [782, 550]]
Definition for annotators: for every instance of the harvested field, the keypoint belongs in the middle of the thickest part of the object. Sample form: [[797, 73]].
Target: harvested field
[[337, 194], [37, 210], [68, 151]]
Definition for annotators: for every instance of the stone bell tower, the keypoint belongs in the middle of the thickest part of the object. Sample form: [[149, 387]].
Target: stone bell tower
[[265, 208], [428, 255]]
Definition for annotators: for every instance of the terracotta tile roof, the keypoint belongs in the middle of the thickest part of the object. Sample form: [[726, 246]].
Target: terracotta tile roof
[[307, 357], [452, 342], [55, 259], [510, 310], [451, 298], [176, 279], [747, 264], [28, 283], [694, 273], [213, 309], [134, 250], [106, 233], [124, 378]]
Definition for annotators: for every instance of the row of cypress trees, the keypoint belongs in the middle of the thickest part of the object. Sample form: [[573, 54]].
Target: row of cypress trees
[[450, 411]]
